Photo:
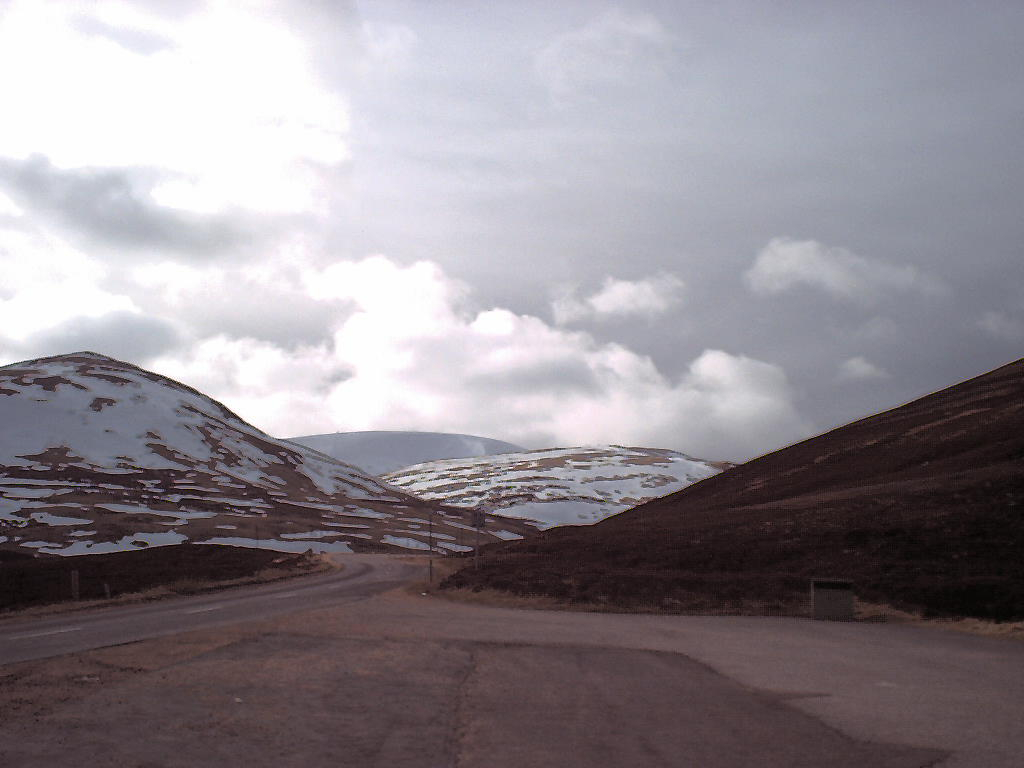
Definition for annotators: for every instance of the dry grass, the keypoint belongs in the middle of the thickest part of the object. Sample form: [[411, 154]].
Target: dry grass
[[863, 611], [494, 599], [881, 612], [692, 605], [443, 567], [311, 565]]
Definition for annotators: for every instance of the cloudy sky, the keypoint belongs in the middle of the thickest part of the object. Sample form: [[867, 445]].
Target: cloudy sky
[[714, 227]]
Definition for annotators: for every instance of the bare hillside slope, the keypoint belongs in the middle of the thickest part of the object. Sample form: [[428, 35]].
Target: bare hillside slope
[[922, 506]]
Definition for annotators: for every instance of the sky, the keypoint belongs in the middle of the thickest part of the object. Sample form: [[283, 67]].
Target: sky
[[712, 227]]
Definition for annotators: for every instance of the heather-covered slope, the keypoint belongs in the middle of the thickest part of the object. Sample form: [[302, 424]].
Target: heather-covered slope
[[386, 451], [922, 506], [98, 455], [557, 486]]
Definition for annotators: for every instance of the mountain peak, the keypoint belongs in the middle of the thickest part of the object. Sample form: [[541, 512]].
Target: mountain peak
[[387, 450], [82, 355], [100, 455]]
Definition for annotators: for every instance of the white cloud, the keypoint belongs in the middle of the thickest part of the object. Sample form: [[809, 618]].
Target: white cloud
[[410, 356], [395, 347], [266, 300], [784, 264], [227, 104], [9, 208], [46, 283], [389, 47], [615, 49], [273, 388], [860, 369], [1002, 326], [622, 298]]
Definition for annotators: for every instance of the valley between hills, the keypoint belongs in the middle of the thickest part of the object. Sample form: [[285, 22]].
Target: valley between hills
[[919, 506], [248, 599]]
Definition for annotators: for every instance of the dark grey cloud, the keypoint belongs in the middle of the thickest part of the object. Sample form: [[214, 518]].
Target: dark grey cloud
[[286, 321], [122, 335], [886, 131], [534, 146], [550, 376], [112, 207], [240, 305]]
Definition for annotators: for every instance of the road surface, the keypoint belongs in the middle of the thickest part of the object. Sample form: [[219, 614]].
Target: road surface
[[349, 672], [26, 639]]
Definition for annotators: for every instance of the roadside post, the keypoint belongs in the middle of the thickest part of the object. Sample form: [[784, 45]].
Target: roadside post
[[478, 523], [430, 556], [74, 585], [832, 599]]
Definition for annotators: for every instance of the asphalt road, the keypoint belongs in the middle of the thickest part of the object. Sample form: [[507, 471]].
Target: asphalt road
[[348, 672], [39, 638]]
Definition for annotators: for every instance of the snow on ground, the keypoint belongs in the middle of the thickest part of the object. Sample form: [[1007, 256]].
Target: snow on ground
[[380, 452], [28, 493], [112, 417], [437, 535], [371, 513], [401, 541], [310, 534], [454, 524], [41, 481], [126, 544], [137, 509], [47, 519], [139, 443], [294, 547], [454, 547], [507, 535], [562, 486]]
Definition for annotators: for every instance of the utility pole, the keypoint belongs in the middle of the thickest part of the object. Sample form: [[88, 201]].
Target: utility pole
[[478, 521], [430, 557]]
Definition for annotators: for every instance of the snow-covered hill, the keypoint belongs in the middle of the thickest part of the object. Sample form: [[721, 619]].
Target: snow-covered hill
[[98, 455], [560, 486], [380, 452]]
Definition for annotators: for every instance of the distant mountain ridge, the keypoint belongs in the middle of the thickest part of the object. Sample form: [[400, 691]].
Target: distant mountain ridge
[[556, 486], [379, 452], [100, 455]]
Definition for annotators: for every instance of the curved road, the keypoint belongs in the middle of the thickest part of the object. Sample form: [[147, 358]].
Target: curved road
[[23, 639], [343, 670]]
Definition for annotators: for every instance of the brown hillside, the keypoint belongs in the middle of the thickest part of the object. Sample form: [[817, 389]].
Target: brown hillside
[[921, 506]]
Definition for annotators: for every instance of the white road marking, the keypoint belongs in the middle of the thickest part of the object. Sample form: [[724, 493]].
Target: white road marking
[[204, 609], [44, 634]]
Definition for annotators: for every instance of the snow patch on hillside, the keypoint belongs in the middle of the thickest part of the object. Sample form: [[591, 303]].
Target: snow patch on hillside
[[561, 486], [122, 454]]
